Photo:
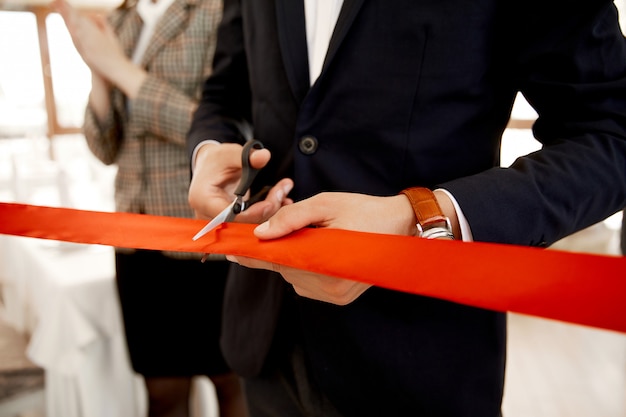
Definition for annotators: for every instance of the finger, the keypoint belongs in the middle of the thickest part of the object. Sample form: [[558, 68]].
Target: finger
[[259, 158], [277, 195], [60, 6], [67, 13], [307, 287], [279, 192], [316, 294], [275, 199], [293, 217], [253, 263]]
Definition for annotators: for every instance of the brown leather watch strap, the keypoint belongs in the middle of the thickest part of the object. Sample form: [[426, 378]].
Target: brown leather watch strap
[[432, 223], [425, 205]]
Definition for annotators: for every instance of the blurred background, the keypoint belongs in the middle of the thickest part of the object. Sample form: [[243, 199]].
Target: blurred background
[[554, 369]]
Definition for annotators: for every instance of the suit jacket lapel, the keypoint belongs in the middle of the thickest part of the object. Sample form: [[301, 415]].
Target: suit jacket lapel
[[292, 38], [166, 29], [128, 25], [349, 10]]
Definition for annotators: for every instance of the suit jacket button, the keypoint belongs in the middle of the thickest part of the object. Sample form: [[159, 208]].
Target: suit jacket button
[[308, 145]]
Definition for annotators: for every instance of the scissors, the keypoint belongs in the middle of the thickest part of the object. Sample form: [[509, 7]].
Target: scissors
[[238, 205]]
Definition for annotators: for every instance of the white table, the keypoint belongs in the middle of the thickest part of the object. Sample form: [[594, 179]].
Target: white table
[[64, 296]]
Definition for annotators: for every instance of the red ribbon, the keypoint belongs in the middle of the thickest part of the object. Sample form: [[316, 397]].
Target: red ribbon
[[578, 288]]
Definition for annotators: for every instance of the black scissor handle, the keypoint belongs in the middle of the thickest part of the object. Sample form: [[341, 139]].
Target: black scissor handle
[[247, 172]]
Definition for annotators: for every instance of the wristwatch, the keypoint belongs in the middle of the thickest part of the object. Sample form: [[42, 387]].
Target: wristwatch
[[431, 222]]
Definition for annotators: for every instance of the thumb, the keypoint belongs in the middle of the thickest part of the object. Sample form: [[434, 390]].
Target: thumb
[[260, 157]]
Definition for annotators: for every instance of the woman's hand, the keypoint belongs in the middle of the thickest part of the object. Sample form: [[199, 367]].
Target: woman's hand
[[98, 45], [93, 38]]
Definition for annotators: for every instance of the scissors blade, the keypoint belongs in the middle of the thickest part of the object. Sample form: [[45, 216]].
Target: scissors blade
[[217, 220]]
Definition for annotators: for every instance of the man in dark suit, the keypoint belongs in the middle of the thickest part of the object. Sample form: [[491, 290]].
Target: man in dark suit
[[359, 100]]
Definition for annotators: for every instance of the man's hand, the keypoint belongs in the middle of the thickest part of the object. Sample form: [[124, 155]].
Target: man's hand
[[390, 215], [216, 175]]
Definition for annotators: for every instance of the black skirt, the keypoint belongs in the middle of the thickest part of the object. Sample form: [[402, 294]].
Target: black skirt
[[172, 311]]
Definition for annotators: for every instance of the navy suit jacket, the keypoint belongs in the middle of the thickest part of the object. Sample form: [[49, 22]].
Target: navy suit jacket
[[417, 93]]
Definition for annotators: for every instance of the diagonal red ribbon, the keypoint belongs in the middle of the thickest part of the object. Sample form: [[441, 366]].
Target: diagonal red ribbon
[[577, 288]]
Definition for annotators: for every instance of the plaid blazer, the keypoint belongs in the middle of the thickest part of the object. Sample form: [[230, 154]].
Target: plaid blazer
[[145, 137]]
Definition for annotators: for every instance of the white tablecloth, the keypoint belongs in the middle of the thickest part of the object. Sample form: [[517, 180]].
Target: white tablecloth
[[64, 296], [61, 294]]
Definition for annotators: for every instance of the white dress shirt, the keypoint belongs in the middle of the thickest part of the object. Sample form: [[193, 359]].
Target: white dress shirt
[[321, 17]]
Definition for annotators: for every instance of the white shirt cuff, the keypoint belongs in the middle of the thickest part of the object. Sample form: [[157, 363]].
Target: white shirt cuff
[[466, 232]]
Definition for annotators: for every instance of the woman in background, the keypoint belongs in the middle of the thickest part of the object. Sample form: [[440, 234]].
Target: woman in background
[[148, 62]]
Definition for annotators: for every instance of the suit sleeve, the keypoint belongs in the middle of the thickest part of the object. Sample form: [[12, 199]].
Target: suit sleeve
[[224, 111], [105, 138], [570, 64]]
